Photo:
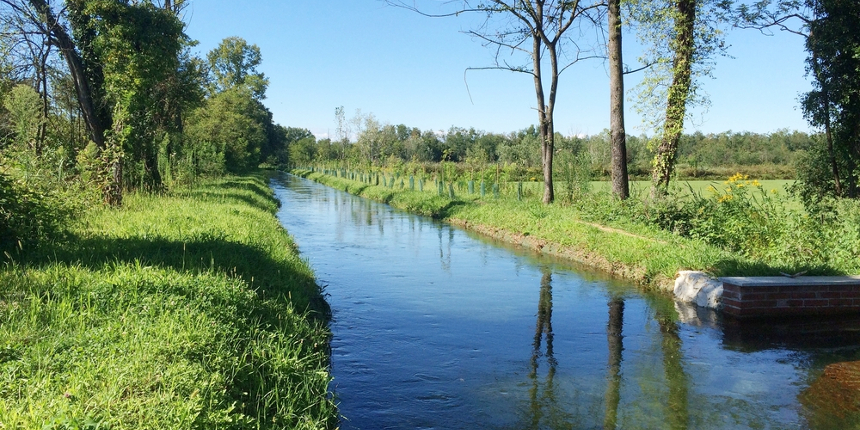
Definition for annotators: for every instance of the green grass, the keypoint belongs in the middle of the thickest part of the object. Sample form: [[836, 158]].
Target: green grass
[[641, 189], [601, 232], [191, 310]]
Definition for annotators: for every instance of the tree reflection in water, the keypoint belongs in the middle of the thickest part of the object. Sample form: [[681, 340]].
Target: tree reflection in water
[[616, 345], [545, 396], [677, 414]]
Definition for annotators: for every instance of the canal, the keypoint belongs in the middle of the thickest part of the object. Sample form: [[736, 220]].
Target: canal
[[437, 328]]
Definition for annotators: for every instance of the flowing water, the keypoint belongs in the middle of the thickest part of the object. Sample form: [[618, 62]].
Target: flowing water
[[437, 328]]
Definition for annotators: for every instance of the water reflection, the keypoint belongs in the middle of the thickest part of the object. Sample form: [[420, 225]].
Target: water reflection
[[616, 346], [676, 377], [437, 328], [546, 404]]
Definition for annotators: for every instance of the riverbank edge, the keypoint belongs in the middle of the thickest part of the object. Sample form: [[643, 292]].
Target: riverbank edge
[[192, 308], [652, 263]]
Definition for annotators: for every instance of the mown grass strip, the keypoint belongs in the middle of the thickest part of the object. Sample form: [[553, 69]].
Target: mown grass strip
[[190, 310], [643, 254]]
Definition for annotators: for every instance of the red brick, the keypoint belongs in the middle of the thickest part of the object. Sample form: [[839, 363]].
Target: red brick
[[841, 302], [730, 287], [779, 296], [841, 288], [795, 303], [830, 295], [748, 297], [803, 295], [760, 304], [731, 295], [730, 302], [814, 303]]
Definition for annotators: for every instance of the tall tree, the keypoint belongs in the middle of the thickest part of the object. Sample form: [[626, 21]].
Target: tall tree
[[40, 14], [540, 30], [681, 37], [683, 47], [829, 31], [234, 63], [834, 62], [618, 137]]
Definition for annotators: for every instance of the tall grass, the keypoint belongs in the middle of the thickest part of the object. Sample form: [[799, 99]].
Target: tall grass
[[188, 310]]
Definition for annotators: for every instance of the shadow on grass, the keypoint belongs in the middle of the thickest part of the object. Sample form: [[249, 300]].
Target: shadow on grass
[[449, 209], [258, 196], [272, 279]]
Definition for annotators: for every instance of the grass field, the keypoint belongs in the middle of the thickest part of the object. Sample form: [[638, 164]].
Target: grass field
[[190, 310]]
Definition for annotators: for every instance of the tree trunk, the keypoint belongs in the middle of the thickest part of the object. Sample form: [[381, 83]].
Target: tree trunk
[[545, 126], [828, 129], [679, 91], [43, 82], [620, 180], [61, 40]]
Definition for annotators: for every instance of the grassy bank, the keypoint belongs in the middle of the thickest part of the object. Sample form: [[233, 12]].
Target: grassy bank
[[191, 310], [596, 230]]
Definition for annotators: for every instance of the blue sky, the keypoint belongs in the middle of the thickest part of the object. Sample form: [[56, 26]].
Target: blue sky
[[409, 69]]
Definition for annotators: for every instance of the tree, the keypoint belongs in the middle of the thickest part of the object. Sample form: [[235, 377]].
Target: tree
[[620, 180], [228, 132], [539, 29], [40, 15], [303, 152], [681, 38], [234, 63], [829, 29], [834, 102], [683, 48]]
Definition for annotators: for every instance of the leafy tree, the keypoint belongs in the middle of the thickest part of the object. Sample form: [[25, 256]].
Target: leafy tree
[[830, 30], [234, 64], [139, 47], [834, 103], [227, 132], [681, 38], [303, 151]]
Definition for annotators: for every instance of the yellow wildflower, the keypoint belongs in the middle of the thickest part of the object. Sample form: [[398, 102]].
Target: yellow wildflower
[[737, 177]]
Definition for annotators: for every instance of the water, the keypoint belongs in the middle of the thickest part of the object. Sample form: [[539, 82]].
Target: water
[[437, 328]]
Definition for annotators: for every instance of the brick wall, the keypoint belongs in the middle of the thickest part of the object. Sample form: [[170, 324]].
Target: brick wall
[[745, 297]]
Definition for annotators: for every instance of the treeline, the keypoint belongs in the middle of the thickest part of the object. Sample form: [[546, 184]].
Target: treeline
[[765, 156], [99, 97]]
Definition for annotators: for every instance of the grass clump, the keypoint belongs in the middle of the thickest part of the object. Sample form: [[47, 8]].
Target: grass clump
[[188, 310]]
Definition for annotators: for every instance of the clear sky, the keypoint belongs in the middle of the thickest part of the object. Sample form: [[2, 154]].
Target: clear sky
[[408, 69]]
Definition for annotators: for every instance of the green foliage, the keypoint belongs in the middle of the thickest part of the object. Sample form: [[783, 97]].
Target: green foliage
[[574, 174], [303, 152], [24, 107], [834, 102], [234, 64], [138, 47], [227, 133], [186, 311], [27, 216]]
